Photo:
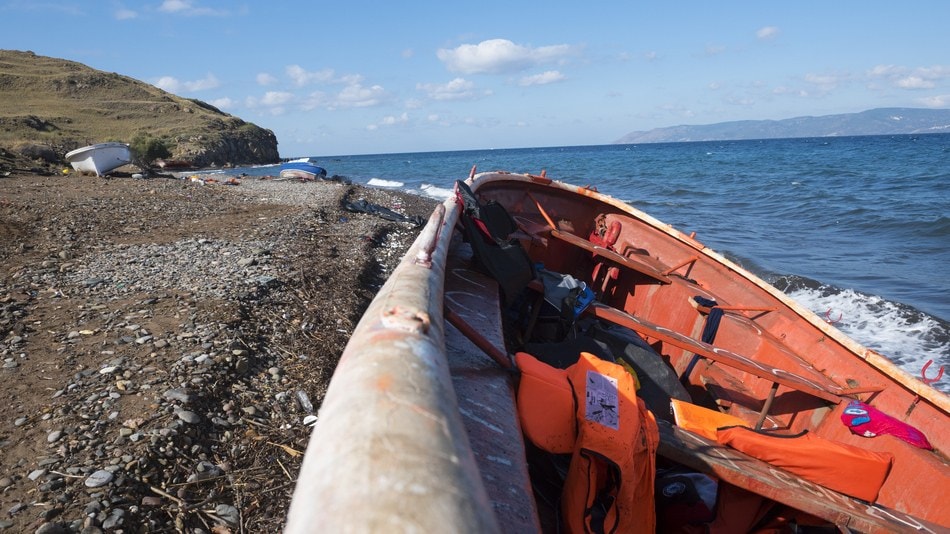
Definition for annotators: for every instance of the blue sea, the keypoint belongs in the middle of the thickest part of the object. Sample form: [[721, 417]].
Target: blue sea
[[855, 228]]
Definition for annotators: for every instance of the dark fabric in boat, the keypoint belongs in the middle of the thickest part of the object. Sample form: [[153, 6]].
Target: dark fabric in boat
[[488, 228], [658, 381], [566, 353]]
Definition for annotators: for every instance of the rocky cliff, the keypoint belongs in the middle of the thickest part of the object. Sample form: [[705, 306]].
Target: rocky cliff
[[49, 106]]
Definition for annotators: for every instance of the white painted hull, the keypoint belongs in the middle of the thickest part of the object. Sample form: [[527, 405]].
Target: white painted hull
[[100, 158]]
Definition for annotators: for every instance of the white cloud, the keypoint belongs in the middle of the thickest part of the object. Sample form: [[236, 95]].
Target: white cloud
[[187, 7], [456, 89], [357, 96], [910, 78], [223, 103], [767, 32], [825, 82], [352, 96], [208, 82], [544, 78], [265, 78], [498, 56], [174, 85], [408, 53], [174, 6], [936, 101], [124, 14], [315, 100], [914, 82], [389, 120], [884, 71], [276, 98], [273, 102], [302, 77]]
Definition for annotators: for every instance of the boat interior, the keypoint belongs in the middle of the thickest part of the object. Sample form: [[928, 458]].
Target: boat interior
[[693, 329]]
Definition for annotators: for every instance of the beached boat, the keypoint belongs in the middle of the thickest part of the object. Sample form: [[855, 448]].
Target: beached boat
[[303, 169], [100, 158], [785, 421]]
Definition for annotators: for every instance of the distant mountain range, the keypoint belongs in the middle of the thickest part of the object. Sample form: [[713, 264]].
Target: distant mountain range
[[881, 121]]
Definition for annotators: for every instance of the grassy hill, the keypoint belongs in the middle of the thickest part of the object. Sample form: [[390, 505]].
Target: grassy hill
[[50, 106]]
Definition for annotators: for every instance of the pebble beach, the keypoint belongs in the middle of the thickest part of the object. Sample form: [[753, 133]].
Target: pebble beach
[[165, 343]]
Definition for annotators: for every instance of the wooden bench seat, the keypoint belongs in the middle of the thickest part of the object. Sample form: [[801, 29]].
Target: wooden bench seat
[[632, 262], [734, 467]]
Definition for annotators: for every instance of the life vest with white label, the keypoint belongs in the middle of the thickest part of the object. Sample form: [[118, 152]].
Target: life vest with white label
[[610, 482]]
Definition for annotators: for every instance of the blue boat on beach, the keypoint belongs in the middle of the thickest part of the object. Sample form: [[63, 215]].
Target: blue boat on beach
[[304, 169]]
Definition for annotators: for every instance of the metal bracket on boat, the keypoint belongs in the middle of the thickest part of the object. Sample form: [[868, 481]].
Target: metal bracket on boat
[[923, 374], [926, 380], [831, 321]]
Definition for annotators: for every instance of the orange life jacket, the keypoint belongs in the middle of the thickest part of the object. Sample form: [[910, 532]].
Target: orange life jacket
[[702, 421], [592, 411], [545, 405], [838, 466]]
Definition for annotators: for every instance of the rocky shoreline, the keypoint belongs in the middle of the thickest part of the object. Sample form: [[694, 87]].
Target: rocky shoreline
[[165, 344]]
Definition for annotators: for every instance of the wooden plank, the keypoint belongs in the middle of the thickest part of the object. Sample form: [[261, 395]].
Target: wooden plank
[[827, 391], [628, 262], [744, 471], [486, 396]]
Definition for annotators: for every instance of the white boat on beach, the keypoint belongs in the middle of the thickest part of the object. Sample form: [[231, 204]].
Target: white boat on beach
[[100, 158]]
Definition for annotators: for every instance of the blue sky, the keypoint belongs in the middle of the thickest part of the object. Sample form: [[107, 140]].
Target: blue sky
[[364, 77]]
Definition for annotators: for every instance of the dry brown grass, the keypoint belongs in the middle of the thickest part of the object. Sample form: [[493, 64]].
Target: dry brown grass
[[64, 105]]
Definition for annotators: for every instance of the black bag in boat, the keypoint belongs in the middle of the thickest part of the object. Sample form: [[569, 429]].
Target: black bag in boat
[[488, 228]]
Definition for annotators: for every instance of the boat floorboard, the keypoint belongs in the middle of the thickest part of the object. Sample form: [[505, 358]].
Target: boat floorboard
[[486, 395]]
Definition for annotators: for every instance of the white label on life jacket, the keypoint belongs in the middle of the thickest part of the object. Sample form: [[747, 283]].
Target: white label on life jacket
[[603, 400]]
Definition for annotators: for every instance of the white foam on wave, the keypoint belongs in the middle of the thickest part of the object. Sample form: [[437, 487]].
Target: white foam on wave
[[379, 182], [881, 325], [438, 193]]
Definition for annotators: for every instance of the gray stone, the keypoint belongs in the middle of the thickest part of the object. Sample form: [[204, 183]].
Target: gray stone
[[51, 528], [98, 479], [228, 513], [178, 394], [188, 416]]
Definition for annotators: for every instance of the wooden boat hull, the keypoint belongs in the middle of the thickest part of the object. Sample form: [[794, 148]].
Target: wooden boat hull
[[99, 159], [392, 423]]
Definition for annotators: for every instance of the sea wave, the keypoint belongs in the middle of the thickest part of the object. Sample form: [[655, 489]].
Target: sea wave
[[379, 182], [907, 336], [439, 193]]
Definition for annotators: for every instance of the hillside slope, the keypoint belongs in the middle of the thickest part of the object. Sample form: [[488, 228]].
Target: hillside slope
[[49, 106], [880, 121]]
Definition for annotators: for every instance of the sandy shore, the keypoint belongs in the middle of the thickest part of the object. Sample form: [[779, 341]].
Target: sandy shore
[[163, 342]]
